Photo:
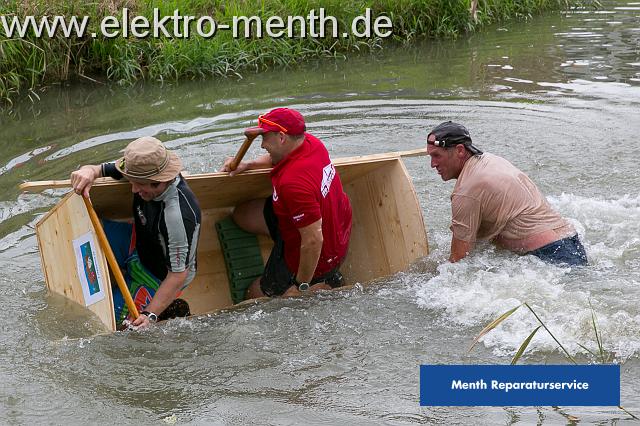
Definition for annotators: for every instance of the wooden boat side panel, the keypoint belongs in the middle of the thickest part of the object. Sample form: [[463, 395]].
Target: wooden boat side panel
[[411, 219], [67, 221], [222, 190], [388, 229], [112, 199]]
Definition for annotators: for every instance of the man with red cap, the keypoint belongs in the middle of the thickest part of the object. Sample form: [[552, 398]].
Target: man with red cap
[[308, 216]]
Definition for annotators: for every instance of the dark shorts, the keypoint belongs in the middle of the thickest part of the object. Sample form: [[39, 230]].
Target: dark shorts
[[277, 278], [568, 251]]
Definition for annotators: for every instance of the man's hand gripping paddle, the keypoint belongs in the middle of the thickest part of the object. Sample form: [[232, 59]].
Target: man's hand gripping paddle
[[250, 134]]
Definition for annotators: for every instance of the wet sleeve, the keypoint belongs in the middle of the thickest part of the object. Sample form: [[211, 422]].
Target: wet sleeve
[[109, 169], [301, 203], [177, 235], [181, 230], [465, 217]]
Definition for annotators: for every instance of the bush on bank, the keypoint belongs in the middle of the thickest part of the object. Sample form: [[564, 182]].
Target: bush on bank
[[29, 63]]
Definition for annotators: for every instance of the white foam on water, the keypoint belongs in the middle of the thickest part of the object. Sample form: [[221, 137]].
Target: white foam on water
[[481, 287], [611, 227]]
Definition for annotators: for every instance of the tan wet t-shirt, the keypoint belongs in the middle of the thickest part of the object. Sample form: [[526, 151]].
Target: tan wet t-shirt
[[493, 199]]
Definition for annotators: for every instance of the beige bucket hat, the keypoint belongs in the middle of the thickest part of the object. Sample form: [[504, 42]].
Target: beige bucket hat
[[147, 158]]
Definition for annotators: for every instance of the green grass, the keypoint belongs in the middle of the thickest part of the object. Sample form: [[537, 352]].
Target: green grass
[[30, 63]]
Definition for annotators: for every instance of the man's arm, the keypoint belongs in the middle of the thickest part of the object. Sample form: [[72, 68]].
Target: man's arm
[[466, 216], [262, 162], [310, 247], [459, 249], [165, 294]]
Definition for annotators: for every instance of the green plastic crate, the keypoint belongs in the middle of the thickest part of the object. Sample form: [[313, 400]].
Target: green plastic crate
[[242, 257]]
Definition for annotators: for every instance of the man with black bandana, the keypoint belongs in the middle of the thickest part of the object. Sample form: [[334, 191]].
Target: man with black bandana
[[493, 200], [166, 227]]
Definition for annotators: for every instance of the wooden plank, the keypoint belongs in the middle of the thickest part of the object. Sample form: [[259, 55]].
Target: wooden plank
[[208, 292], [366, 258], [362, 159], [388, 229], [412, 221], [66, 222], [112, 199], [66, 183], [52, 184], [400, 222]]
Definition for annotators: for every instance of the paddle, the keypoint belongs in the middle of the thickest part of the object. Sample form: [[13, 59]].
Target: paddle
[[41, 185], [106, 248], [250, 134]]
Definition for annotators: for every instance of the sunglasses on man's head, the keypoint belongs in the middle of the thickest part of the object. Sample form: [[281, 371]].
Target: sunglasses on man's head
[[261, 119]]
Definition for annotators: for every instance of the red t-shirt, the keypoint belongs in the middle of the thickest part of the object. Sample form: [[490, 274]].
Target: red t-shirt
[[306, 188]]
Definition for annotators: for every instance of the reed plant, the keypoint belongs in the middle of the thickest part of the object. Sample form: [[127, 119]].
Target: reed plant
[[29, 63], [600, 356], [493, 324]]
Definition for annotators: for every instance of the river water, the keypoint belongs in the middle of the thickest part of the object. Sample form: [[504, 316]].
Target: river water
[[558, 96]]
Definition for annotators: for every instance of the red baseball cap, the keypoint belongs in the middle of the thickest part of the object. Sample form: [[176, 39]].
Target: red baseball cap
[[284, 120]]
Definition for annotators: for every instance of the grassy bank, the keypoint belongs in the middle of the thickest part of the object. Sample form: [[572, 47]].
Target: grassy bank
[[28, 63]]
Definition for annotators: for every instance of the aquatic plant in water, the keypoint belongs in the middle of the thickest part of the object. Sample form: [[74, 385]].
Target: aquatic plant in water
[[602, 356]]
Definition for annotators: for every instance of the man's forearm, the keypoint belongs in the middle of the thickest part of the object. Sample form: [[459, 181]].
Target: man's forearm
[[459, 249], [309, 256], [167, 291], [262, 162], [311, 239]]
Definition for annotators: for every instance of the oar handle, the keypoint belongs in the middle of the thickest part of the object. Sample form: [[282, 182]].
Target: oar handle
[[44, 184], [41, 185], [111, 259], [250, 134]]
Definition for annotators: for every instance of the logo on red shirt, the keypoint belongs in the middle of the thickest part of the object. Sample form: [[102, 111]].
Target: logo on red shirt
[[328, 173]]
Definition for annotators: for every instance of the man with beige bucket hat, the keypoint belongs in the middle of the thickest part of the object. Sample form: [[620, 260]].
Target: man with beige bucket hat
[[157, 252]]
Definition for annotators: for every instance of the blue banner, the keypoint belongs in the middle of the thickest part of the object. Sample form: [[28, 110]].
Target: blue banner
[[518, 385]]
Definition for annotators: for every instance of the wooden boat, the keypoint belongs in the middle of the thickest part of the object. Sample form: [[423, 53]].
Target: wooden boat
[[388, 230]]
